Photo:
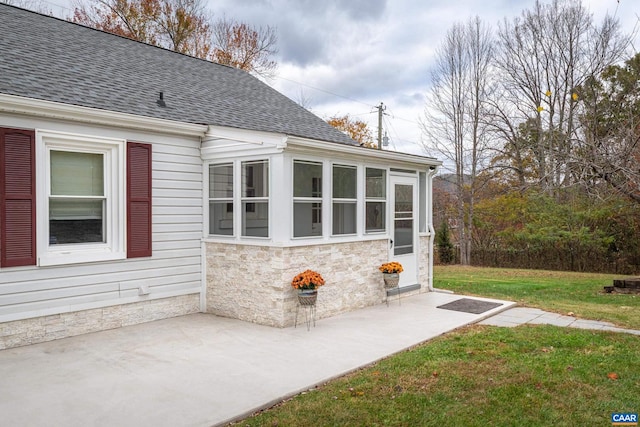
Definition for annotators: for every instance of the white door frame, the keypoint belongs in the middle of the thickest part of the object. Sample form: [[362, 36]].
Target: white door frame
[[403, 247]]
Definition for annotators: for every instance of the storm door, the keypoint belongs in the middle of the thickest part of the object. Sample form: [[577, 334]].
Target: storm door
[[404, 223]]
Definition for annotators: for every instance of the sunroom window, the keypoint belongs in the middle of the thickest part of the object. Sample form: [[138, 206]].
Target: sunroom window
[[307, 199], [221, 199], [344, 199], [255, 198], [375, 203]]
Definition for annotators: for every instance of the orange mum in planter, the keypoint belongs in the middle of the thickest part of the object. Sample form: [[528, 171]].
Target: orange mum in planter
[[391, 267], [308, 279]]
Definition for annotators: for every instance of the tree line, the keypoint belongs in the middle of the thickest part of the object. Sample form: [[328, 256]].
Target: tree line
[[537, 117], [539, 120]]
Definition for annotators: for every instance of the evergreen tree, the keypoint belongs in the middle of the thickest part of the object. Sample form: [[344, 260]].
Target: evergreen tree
[[443, 242]]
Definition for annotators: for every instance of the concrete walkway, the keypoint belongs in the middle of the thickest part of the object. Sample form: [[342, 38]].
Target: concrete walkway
[[203, 370], [533, 316]]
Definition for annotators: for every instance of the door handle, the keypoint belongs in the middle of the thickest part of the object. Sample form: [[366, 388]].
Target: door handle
[[390, 243]]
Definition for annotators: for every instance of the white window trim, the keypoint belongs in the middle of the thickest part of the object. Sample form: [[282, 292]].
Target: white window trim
[[237, 200], [235, 174], [322, 199], [353, 201], [262, 199], [114, 247], [384, 200]]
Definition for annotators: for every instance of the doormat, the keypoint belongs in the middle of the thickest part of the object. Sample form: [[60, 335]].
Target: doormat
[[467, 305]]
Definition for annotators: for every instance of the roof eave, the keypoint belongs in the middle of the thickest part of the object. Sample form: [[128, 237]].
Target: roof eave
[[56, 110], [363, 151]]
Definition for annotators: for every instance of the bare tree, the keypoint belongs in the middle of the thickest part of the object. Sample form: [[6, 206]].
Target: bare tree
[[443, 124], [543, 57], [480, 53], [246, 47], [453, 125], [184, 26], [39, 6], [609, 151], [304, 100], [179, 25]]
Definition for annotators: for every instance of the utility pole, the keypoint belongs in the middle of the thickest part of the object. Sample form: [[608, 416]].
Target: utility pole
[[381, 109]]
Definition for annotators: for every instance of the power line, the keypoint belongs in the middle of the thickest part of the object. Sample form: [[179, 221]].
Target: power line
[[392, 114], [372, 111], [374, 107], [396, 137], [68, 8], [325, 91], [60, 9]]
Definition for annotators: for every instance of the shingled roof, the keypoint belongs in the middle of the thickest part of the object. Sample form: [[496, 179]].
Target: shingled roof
[[51, 59]]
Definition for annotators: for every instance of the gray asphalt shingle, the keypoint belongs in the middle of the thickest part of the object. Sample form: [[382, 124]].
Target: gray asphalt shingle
[[51, 59]]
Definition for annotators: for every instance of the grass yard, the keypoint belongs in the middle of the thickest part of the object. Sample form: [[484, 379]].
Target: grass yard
[[538, 375], [557, 291], [480, 376]]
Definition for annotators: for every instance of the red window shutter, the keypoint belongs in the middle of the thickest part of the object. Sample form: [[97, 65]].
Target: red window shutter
[[138, 200], [17, 198]]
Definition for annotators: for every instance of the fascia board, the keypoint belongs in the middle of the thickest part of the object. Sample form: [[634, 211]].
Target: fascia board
[[371, 153], [222, 142], [220, 135], [56, 110]]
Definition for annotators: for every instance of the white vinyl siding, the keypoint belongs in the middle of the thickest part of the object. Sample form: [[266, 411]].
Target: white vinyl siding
[[175, 267]]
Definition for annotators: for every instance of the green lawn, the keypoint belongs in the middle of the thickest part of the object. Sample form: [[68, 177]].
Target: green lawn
[[481, 375], [561, 292]]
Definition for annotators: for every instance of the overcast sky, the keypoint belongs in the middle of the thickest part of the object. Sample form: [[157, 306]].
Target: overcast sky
[[347, 56]]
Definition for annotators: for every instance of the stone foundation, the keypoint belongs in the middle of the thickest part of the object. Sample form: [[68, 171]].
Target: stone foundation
[[423, 265], [253, 283], [47, 328]]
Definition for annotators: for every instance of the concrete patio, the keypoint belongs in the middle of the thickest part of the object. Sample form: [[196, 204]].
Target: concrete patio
[[534, 316], [203, 370]]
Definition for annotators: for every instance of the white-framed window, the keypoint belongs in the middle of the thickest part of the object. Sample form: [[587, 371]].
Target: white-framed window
[[344, 199], [221, 199], [307, 198], [375, 200], [81, 183], [239, 197], [255, 198]]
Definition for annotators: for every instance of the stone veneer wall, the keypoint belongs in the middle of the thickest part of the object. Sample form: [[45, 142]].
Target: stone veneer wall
[[423, 264], [47, 328], [253, 283]]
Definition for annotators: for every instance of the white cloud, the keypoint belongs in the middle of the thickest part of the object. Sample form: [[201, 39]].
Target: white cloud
[[347, 56]]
